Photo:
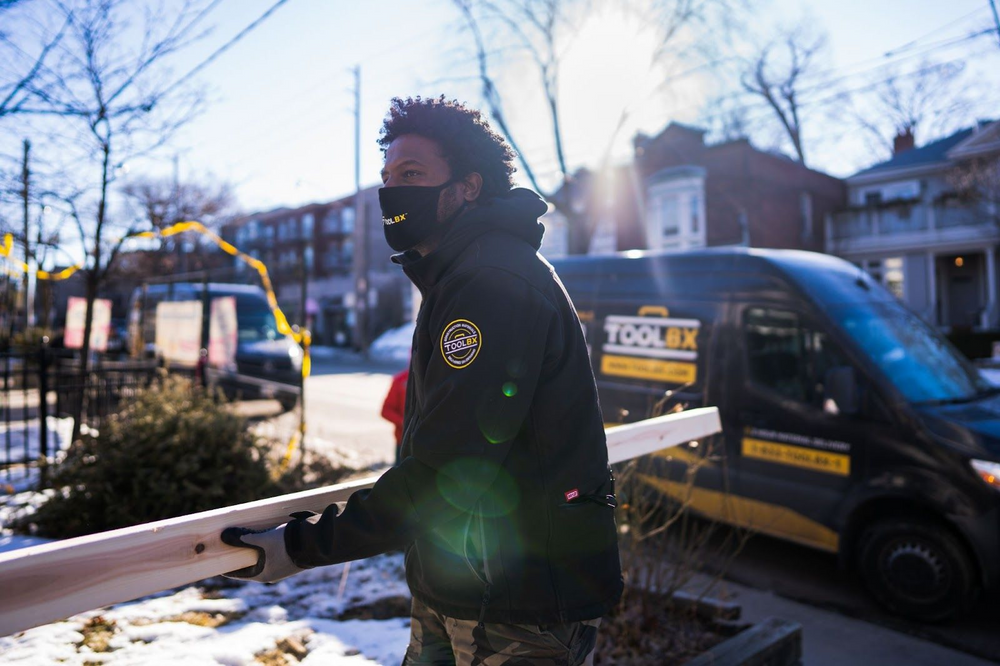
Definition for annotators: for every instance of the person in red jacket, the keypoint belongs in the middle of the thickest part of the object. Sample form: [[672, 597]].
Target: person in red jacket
[[394, 405]]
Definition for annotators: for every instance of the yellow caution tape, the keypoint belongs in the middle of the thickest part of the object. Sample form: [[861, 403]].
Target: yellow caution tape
[[8, 247], [301, 336]]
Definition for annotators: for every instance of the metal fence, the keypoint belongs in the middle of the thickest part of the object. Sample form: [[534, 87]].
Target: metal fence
[[46, 399]]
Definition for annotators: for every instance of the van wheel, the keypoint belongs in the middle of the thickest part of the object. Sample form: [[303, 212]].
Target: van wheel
[[917, 568]]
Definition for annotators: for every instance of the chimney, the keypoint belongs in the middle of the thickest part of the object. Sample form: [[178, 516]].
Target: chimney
[[903, 141]]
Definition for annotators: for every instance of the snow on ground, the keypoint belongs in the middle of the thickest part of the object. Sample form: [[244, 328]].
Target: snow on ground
[[225, 622], [15, 434], [233, 623], [394, 344], [17, 504]]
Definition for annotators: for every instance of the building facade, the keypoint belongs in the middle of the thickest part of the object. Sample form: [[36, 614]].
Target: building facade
[[681, 193], [926, 224], [322, 274], [699, 194]]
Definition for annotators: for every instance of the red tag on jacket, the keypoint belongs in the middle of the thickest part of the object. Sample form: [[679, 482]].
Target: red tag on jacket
[[572, 494]]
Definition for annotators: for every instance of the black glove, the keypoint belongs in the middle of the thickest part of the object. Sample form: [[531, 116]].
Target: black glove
[[273, 562]]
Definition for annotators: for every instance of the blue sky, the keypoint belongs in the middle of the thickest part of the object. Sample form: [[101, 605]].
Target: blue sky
[[279, 124]]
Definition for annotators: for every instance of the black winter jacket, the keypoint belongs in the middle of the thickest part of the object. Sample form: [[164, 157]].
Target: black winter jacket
[[503, 497]]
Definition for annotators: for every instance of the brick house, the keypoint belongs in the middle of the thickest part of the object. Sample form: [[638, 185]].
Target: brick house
[[727, 193], [680, 192]]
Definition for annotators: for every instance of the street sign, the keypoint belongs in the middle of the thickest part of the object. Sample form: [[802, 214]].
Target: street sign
[[100, 327]]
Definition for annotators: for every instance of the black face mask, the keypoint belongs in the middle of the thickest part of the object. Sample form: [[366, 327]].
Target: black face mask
[[409, 213]]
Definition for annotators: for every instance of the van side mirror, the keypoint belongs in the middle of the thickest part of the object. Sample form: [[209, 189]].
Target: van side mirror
[[840, 385]]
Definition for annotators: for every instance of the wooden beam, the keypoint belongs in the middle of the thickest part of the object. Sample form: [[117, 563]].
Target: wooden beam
[[45, 583]]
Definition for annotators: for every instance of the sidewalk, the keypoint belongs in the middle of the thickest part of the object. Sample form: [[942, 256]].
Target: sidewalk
[[832, 639]]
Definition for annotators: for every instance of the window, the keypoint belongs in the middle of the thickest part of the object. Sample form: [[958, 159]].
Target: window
[[916, 358], [873, 198], [695, 213], [893, 278], [889, 273], [307, 225], [669, 216], [806, 212], [787, 357], [307, 258], [874, 268], [347, 252], [331, 223], [347, 217], [332, 259], [776, 355]]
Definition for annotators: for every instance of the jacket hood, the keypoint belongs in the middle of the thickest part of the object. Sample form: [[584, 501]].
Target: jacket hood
[[516, 213]]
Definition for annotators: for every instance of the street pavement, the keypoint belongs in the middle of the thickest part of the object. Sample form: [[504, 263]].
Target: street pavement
[[792, 573], [830, 638], [344, 398]]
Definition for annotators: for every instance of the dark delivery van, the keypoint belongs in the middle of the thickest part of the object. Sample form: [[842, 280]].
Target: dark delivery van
[[849, 424], [268, 364]]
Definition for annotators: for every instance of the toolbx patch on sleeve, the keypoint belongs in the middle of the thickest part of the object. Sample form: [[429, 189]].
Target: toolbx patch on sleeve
[[460, 343]]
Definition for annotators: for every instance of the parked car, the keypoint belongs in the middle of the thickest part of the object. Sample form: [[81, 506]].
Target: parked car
[[268, 364], [849, 424]]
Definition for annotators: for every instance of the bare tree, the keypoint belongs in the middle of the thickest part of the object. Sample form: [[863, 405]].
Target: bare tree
[[777, 74], [110, 99], [161, 202], [929, 101], [977, 185], [24, 66], [543, 30]]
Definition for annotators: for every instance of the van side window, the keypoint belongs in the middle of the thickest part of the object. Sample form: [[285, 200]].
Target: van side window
[[776, 352], [788, 357]]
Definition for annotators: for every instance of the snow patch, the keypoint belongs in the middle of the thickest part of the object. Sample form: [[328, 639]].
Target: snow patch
[[251, 618], [394, 344]]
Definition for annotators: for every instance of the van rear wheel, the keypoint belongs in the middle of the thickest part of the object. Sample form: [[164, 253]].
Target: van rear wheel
[[917, 568]]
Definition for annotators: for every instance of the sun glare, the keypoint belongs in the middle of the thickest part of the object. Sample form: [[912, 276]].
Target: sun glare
[[608, 67]]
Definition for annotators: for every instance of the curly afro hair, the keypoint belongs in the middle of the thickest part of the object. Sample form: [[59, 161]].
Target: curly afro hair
[[467, 141]]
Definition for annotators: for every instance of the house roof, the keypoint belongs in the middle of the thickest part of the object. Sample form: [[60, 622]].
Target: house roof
[[931, 153]]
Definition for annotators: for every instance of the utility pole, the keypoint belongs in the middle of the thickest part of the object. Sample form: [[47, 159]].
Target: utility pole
[[176, 215], [25, 178], [360, 231], [996, 17]]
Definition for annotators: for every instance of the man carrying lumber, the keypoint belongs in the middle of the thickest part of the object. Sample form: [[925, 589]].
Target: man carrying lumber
[[503, 498]]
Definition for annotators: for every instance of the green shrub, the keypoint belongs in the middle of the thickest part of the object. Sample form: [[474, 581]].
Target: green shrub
[[172, 450]]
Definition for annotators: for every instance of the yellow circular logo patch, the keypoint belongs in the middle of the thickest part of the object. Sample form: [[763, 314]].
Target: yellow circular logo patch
[[460, 343]]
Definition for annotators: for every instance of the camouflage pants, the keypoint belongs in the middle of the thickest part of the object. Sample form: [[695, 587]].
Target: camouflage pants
[[440, 640]]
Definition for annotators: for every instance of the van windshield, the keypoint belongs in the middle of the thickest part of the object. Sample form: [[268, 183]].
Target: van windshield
[[917, 359], [257, 326]]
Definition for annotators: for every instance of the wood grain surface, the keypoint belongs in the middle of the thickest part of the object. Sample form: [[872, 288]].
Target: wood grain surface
[[45, 583]]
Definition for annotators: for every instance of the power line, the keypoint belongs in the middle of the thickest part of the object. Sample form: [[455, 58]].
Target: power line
[[225, 47], [939, 29], [996, 17]]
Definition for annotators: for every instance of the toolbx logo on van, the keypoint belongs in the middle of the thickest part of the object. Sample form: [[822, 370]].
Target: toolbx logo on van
[[653, 348]]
